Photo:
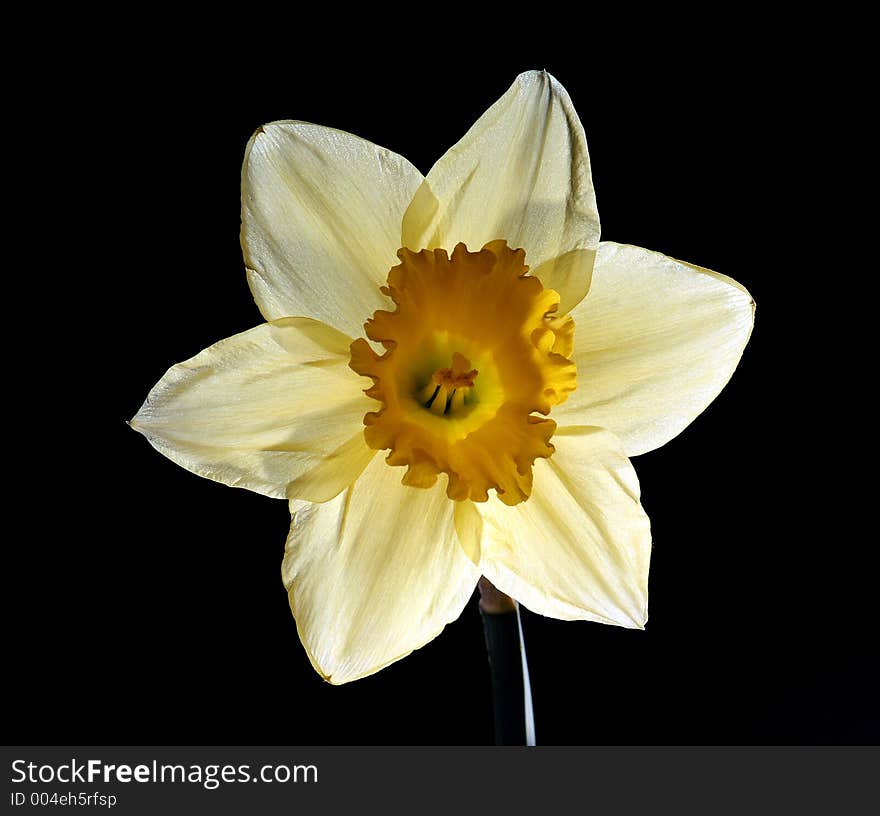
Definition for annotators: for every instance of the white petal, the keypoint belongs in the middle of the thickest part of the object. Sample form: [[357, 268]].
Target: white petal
[[321, 216], [579, 548], [275, 409], [469, 528], [654, 342], [522, 174], [375, 573]]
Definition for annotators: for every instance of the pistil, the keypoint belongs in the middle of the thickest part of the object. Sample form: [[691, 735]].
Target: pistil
[[446, 390]]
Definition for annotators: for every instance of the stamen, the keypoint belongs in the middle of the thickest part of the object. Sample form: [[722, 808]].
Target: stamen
[[456, 400], [448, 387], [439, 404], [431, 389]]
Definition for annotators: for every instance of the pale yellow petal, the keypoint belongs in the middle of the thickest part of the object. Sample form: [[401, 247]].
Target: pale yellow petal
[[654, 343], [275, 409], [321, 215], [375, 573], [469, 528], [579, 548], [522, 174]]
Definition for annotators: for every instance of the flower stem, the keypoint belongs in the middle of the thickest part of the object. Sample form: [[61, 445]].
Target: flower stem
[[511, 690]]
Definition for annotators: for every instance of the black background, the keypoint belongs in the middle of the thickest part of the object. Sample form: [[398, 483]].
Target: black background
[[147, 606]]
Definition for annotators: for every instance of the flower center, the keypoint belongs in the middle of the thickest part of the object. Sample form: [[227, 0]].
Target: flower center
[[447, 389], [472, 350]]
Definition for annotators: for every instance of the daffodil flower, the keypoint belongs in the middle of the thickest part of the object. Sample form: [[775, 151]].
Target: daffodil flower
[[507, 350]]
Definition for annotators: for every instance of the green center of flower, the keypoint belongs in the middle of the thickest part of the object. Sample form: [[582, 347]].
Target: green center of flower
[[446, 391]]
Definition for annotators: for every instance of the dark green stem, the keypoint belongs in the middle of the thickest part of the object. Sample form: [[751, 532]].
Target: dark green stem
[[510, 687]]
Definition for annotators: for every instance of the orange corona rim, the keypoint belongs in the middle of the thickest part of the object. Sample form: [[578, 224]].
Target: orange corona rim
[[472, 352]]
